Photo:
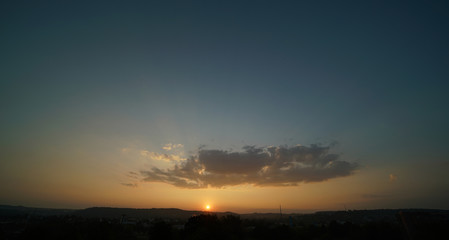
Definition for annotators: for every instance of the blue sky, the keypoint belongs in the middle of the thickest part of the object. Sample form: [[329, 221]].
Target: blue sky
[[91, 78]]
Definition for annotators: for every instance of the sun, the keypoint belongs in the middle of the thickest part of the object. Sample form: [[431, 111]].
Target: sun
[[207, 207]]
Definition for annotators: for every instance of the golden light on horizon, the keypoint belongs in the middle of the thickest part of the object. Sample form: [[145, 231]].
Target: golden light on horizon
[[207, 207]]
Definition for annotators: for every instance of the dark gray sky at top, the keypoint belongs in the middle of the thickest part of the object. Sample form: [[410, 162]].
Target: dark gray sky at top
[[371, 74]]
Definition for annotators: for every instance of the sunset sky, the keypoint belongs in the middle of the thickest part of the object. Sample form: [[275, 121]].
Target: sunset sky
[[240, 105]]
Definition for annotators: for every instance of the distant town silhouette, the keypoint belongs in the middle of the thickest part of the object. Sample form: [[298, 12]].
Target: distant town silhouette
[[17, 222]]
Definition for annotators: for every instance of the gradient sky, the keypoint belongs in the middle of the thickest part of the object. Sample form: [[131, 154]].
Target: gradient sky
[[243, 105]]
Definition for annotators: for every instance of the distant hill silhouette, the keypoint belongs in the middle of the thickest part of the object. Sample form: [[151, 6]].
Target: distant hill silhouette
[[163, 213], [18, 222], [107, 212], [174, 213], [7, 210]]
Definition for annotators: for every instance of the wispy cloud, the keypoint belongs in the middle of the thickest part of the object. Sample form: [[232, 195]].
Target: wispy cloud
[[125, 150], [269, 166], [170, 146], [133, 185], [132, 175], [161, 156], [393, 177]]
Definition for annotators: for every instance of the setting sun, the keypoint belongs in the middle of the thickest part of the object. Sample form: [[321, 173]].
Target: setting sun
[[222, 108]]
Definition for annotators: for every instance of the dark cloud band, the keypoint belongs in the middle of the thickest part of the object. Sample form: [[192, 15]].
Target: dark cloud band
[[269, 166]]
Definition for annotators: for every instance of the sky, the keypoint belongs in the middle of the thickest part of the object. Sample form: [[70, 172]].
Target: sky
[[242, 105]]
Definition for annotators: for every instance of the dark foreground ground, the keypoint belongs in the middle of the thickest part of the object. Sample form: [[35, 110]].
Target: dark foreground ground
[[133, 224]]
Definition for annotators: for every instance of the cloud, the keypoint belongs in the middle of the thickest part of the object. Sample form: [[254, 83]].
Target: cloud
[[170, 146], [125, 150], [161, 156], [133, 185], [269, 166], [133, 175], [393, 177]]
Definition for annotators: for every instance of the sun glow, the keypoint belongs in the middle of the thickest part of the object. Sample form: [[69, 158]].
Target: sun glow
[[207, 207]]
